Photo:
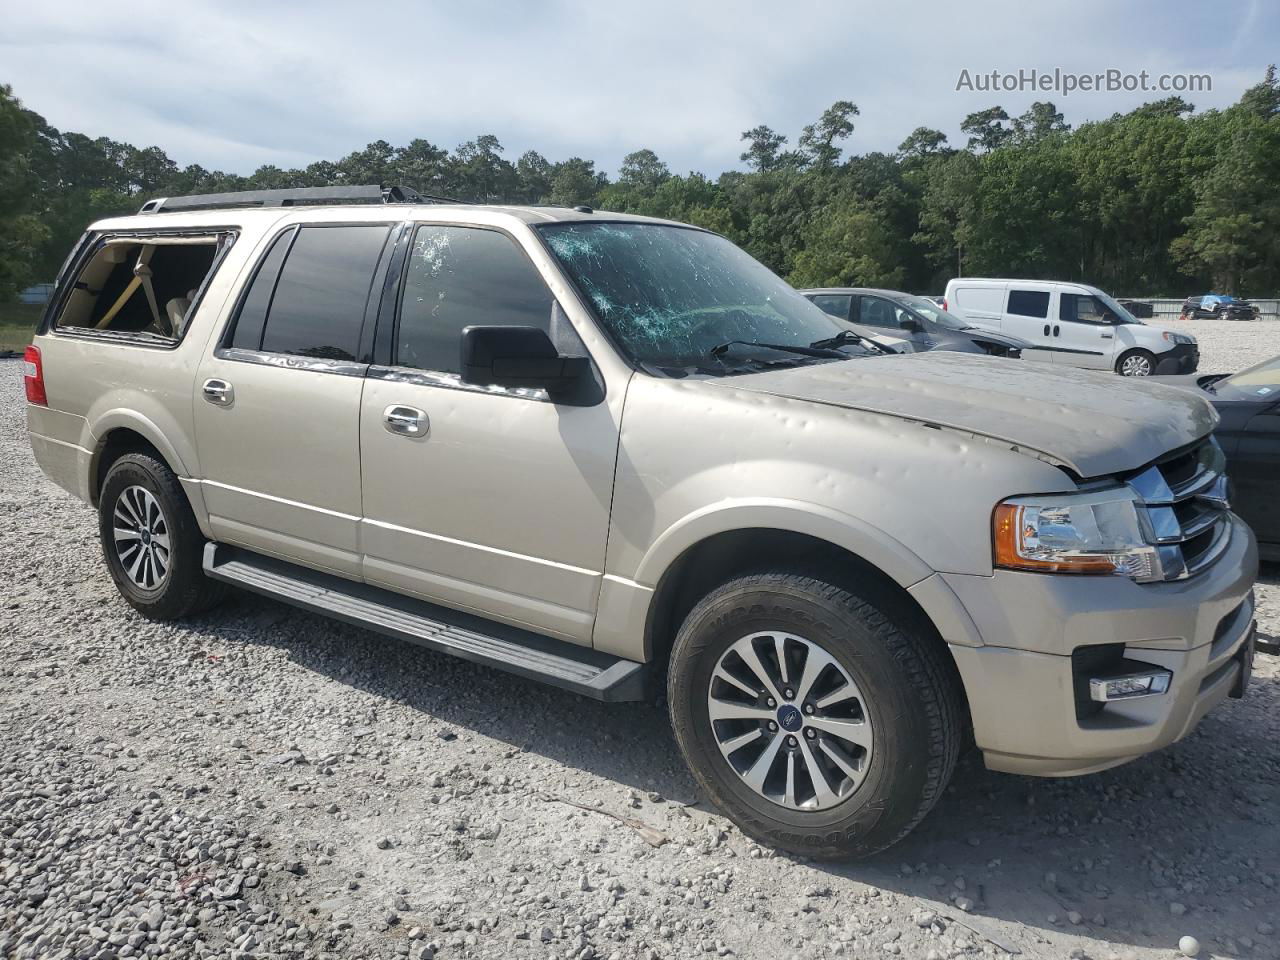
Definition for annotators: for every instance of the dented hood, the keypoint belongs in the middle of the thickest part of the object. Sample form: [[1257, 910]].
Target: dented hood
[[1092, 422]]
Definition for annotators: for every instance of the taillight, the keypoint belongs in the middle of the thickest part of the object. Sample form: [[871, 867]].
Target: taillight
[[33, 377], [944, 304]]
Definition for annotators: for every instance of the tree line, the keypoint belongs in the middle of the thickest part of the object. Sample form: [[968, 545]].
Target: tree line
[[1158, 201]]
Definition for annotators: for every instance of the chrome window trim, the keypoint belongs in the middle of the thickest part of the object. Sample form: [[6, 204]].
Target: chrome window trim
[[451, 381], [288, 361]]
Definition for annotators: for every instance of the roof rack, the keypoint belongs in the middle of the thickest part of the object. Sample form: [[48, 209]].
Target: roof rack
[[293, 197]]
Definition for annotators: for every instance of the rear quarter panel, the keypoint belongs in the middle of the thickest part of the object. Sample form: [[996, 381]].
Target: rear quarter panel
[[95, 385]]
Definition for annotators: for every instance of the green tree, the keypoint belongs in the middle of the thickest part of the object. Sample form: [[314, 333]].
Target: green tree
[[818, 140], [763, 148], [1040, 120], [576, 181], [848, 245], [642, 171], [21, 233], [1233, 231], [922, 142], [534, 173], [986, 128], [1263, 100]]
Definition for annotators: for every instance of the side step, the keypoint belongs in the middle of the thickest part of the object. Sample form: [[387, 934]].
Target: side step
[[522, 652]]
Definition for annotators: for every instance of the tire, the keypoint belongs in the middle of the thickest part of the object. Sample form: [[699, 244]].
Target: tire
[[1136, 363], [157, 566], [905, 691]]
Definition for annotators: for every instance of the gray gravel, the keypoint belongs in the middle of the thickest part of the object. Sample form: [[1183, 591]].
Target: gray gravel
[[260, 782]]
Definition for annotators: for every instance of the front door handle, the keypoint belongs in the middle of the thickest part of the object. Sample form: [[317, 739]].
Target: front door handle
[[218, 392], [405, 421], [1046, 329], [1108, 336], [1056, 330]]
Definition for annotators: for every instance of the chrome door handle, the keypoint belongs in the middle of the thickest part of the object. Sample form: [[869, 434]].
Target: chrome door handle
[[218, 392], [405, 421]]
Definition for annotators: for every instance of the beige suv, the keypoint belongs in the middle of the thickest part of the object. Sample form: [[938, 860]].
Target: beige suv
[[604, 451]]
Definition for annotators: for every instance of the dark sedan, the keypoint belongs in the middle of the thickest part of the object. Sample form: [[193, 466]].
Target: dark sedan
[[1249, 432], [918, 320], [1216, 306]]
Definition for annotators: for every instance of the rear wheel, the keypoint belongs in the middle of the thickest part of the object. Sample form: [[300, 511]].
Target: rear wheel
[[818, 719], [1136, 363], [151, 541]]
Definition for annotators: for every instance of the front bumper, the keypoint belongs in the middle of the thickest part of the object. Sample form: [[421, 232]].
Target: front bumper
[[1022, 685], [1182, 359]]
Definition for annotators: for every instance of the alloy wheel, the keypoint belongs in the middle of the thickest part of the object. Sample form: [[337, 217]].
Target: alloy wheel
[[141, 537], [1135, 366], [790, 721]]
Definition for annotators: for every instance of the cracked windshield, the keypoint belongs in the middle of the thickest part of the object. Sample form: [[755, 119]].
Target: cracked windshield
[[683, 301]]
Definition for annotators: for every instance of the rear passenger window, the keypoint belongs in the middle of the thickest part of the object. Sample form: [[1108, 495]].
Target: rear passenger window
[[834, 304], [1029, 303], [459, 277], [875, 312], [141, 287], [257, 300], [319, 302]]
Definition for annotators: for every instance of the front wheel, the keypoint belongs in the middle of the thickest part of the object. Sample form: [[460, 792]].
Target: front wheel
[[151, 541], [817, 719], [1136, 363]]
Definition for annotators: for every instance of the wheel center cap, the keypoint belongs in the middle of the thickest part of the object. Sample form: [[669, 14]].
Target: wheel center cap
[[146, 537], [789, 718]]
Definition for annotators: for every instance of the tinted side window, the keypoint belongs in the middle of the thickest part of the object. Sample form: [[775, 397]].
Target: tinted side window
[[1081, 308], [1029, 303], [459, 277], [833, 303], [257, 299], [319, 303], [875, 312]]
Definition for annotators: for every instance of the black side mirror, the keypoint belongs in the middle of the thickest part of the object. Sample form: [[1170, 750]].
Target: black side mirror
[[912, 325], [503, 356]]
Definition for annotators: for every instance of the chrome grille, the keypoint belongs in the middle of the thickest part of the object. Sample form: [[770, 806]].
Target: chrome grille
[[1184, 505]]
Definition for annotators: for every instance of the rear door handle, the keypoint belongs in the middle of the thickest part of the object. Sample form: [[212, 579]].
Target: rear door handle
[[218, 392], [1056, 329], [405, 421]]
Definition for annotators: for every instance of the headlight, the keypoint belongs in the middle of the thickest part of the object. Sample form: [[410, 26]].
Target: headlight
[[1178, 337], [1074, 533]]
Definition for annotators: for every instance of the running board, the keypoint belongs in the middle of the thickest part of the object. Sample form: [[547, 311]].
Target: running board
[[534, 656]]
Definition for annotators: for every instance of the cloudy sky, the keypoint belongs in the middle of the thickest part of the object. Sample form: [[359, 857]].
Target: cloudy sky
[[233, 85]]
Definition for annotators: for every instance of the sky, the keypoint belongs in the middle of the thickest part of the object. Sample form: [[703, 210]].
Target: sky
[[232, 85]]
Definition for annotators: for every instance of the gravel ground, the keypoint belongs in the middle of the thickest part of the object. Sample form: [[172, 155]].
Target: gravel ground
[[261, 782]]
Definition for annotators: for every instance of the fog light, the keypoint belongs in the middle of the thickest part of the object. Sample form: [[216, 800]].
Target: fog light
[[1130, 686]]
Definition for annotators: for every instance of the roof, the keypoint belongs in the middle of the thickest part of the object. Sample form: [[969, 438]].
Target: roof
[[478, 213], [852, 290], [1060, 283]]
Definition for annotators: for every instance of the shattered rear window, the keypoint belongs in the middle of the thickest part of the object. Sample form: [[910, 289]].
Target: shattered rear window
[[669, 294]]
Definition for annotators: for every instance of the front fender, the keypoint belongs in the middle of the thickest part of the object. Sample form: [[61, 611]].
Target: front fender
[[626, 605], [821, 522]]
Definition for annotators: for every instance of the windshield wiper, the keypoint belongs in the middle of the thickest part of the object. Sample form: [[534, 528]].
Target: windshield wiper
[[813, 350], [845, 337]]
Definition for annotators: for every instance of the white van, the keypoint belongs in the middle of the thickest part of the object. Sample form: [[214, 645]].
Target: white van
[[1072, 324]]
